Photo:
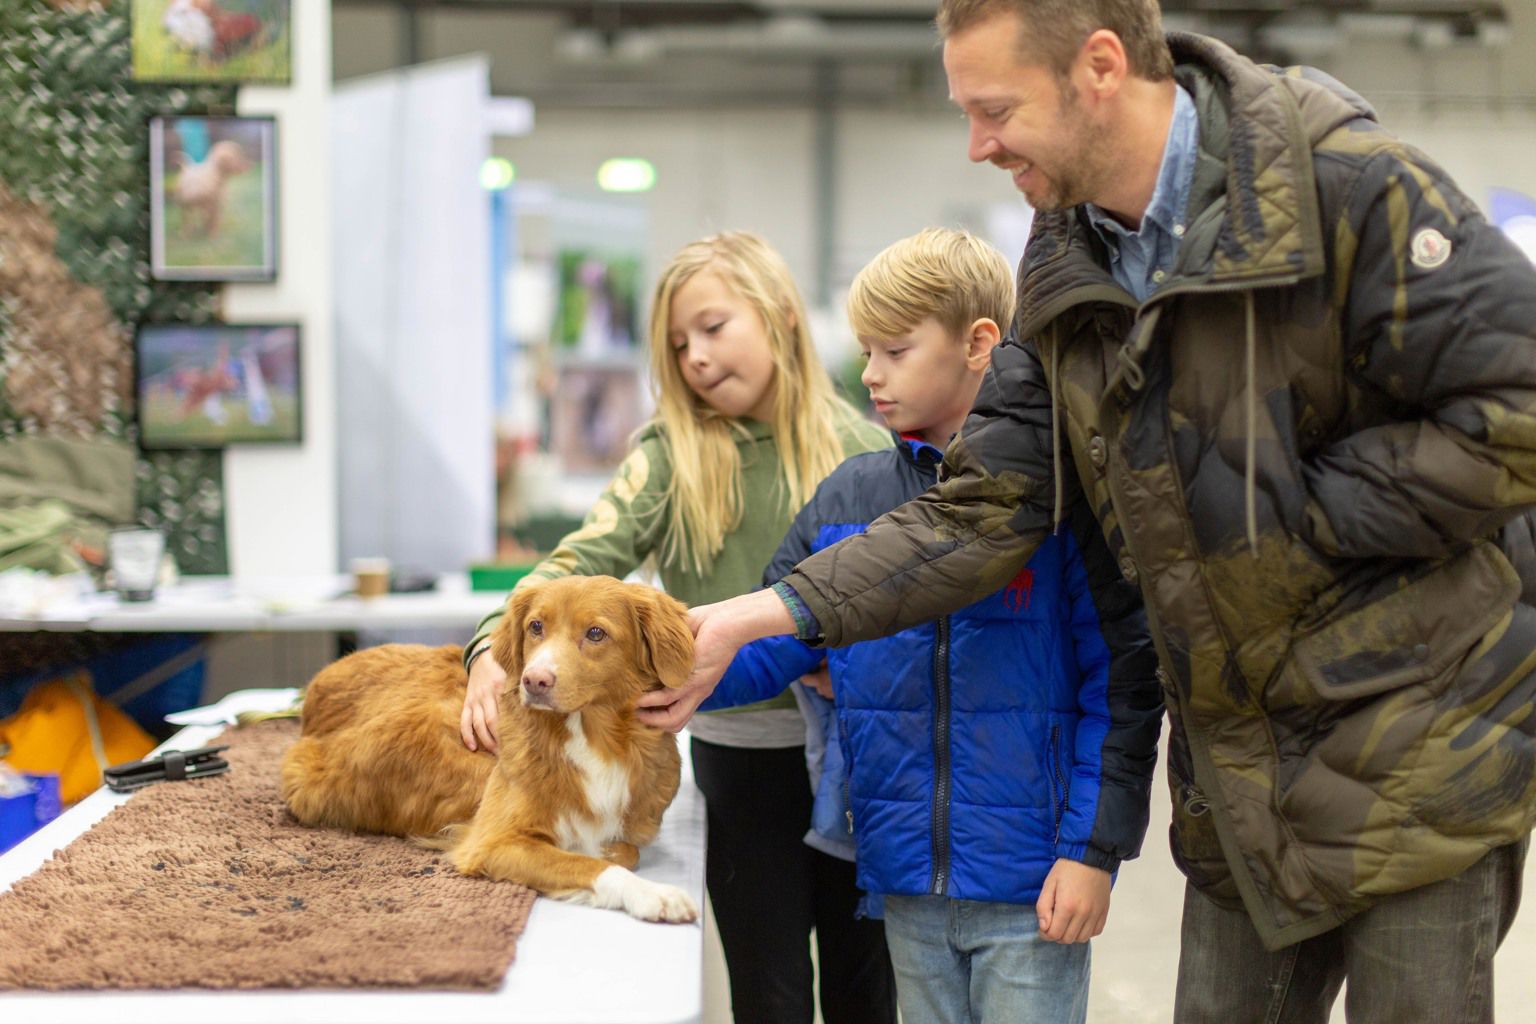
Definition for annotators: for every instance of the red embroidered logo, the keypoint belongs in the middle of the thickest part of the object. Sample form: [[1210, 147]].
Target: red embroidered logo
[[1018, 593]]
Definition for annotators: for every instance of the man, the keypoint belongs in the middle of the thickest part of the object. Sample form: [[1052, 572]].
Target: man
[[1292, 372]]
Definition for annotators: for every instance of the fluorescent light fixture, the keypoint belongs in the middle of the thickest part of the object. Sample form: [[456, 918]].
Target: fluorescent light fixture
[[496, 174], [626, 174]]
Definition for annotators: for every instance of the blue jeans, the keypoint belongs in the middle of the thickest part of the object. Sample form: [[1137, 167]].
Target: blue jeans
[[1424, 956], [963, 962]]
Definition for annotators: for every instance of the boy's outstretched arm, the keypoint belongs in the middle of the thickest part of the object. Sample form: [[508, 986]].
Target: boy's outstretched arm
[[762, 670], [719, 631]]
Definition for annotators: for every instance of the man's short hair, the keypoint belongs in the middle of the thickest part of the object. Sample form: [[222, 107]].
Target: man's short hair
[[1055, 30], [949, 275]]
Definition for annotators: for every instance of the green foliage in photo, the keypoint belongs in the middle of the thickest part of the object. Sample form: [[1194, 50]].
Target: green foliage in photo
[[240, 240]]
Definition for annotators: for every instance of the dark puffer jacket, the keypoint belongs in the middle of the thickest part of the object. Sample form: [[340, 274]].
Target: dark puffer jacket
[[1314, 449]]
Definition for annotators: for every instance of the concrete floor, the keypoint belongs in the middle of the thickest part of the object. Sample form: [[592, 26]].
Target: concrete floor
[[1136, 959]]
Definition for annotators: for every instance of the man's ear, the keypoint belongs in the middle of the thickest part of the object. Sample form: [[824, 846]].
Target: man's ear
[[1101, 65], [664, 634], [507, 638], [980, 339]]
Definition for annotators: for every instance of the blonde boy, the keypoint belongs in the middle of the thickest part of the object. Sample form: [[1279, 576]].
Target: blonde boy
[[965, 762]]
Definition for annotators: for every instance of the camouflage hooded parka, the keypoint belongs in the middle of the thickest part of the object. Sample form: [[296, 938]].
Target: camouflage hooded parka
[[1312, 450]]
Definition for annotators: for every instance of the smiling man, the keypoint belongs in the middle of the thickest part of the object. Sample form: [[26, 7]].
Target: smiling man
[[1290, 370]]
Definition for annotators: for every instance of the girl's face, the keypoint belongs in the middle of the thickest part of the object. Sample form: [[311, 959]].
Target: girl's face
[[721, 346]]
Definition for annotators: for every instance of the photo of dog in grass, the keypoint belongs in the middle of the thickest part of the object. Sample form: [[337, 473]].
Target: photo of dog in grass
[[213, 198], [211, 41]]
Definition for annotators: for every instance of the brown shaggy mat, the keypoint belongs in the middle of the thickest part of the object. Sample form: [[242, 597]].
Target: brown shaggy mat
[[211, 883]]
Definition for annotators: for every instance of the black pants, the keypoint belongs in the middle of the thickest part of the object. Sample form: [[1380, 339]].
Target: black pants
[[769, 890]]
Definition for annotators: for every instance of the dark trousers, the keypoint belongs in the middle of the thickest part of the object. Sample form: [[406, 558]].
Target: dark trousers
[[769, 890], [1419, 957]]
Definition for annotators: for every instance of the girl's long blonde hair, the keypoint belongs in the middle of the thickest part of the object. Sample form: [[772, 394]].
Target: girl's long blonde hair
[[704, 502]]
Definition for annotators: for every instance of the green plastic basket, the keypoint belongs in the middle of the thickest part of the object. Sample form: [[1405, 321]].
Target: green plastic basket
[[496, 577]]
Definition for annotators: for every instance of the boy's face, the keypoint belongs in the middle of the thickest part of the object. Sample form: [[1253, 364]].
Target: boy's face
[[924, 381]]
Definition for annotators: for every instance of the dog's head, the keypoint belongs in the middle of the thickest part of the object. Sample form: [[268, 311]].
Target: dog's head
[[582, 641], [228, 157]]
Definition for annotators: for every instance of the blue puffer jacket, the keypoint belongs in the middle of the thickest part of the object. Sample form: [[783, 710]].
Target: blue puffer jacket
[[972, 744]]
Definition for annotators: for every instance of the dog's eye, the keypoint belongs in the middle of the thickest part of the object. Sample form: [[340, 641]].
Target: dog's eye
[[536, 627], [596, 634]]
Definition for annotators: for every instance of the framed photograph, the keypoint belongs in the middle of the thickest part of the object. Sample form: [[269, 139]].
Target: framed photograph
[[593, 411], [212, 385], [596, 316], [193, 41], [213, 198]]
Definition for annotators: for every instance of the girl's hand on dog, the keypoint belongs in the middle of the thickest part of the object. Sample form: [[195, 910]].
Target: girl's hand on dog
[[477, 722]]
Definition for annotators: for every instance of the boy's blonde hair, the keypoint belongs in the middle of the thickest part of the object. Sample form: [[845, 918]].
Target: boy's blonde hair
[[949, 275], [704, 502]]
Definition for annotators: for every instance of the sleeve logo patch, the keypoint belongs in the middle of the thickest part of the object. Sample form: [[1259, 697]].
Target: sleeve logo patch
[[1429, 249]]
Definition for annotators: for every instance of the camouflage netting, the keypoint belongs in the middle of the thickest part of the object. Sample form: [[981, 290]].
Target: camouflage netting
[[74, 244]]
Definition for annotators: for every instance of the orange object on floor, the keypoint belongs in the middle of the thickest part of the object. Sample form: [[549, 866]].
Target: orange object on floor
[[64, 728]]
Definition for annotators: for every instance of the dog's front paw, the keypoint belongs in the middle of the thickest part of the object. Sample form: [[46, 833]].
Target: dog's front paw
[[662, 903], [649, 901]]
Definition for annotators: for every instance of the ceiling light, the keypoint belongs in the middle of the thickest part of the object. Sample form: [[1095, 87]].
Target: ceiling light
[[496, 174], [626, 174]]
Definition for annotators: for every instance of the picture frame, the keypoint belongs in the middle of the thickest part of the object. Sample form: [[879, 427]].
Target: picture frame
[[213, 198], [597, 304], [199, 386], [594, 411], [210, 41]]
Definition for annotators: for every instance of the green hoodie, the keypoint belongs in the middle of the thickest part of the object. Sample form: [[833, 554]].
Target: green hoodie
[[628, 522]]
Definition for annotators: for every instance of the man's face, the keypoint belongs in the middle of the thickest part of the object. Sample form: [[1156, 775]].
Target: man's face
[[1023, 118]]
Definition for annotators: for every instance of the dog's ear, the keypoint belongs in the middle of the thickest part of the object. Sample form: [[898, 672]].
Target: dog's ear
[[665, 638], [507, 639]]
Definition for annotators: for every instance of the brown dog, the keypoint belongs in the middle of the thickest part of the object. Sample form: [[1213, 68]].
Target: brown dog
[[579, 785], [199, 188]]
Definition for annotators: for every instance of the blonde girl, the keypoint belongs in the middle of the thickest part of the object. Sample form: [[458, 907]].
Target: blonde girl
[[747, 425]]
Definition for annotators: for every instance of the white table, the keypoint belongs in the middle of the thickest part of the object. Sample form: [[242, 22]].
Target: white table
[[575, 965], [247, 604]]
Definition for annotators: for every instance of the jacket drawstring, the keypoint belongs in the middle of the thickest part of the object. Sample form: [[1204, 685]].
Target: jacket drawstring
[[1251, 455], [1055, 429]]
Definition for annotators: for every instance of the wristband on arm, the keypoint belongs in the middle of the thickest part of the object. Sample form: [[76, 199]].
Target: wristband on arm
[[469, 662]]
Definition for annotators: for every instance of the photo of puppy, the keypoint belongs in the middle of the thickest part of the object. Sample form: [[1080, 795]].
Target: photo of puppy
[[213, 198], [211, 40], [579, 785]]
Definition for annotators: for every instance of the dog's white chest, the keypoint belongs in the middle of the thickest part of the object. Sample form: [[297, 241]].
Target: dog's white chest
[[606, 786]]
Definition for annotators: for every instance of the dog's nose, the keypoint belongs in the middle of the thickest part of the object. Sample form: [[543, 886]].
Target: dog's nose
[[538, 681]]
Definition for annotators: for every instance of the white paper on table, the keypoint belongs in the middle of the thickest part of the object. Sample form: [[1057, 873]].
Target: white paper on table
[[224, 712]]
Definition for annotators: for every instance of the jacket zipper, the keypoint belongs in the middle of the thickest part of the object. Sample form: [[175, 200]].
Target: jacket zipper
[[842, 735], [939, 884], [1059, 787]]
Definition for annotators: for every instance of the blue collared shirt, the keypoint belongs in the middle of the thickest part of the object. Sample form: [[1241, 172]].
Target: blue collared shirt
[[1141, 260]]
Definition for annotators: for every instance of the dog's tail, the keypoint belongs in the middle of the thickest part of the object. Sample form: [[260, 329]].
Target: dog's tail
[[445, 839]]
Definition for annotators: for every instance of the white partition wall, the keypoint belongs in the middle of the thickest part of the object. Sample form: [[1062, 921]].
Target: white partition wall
[[413, 361]]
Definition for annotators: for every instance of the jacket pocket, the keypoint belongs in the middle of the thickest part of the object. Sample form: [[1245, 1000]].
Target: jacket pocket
[[1413, 633]]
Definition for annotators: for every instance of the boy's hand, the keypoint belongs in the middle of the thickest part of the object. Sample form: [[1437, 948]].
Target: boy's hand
[[719, 631], [1074, 902], [820, 681], [477, 722]]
